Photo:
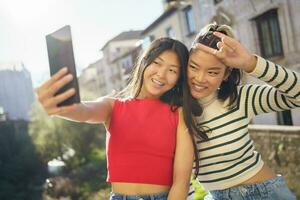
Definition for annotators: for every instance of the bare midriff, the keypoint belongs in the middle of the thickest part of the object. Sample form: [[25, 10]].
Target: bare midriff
[[138, 188], [263, 175]]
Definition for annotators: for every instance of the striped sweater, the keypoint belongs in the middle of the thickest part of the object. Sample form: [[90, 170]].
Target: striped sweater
[[229, 157]]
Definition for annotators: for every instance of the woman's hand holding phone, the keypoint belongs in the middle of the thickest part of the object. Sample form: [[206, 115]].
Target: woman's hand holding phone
[[46, 93]]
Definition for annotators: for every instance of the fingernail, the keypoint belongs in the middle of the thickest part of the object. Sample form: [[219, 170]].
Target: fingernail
[[69, 76], [216, 33], [64, 69]]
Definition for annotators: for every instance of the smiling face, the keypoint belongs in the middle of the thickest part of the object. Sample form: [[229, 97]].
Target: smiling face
[[205, 74], [161, 75]]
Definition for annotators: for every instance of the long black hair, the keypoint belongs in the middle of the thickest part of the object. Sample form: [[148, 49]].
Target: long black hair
[[228, 87]]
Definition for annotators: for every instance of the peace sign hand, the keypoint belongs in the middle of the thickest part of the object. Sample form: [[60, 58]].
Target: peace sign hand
[[231, 53]]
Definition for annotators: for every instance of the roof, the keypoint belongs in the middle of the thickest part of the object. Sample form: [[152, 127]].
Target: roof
[[126, 35], [130, 51], [166, 14], [12, 66]]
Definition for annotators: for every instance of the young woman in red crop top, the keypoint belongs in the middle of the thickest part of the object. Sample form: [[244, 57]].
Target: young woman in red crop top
[[149, 149]]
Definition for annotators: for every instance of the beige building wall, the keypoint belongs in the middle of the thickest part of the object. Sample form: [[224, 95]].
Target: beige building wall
[[172, 21], [113, 70], [92, 80]]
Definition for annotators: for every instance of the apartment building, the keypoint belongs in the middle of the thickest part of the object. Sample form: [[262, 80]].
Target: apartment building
[[106, 74]]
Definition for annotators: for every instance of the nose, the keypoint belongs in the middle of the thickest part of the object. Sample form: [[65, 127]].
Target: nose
[[162, 72], [200, 77]]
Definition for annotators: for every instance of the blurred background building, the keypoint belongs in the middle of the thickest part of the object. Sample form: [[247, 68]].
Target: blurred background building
[[111, 71], [16, 92]]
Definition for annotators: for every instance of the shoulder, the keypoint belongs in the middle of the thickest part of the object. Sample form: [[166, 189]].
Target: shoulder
[[106, 101]]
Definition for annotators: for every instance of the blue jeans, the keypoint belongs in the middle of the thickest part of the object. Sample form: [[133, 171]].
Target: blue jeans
[[159, 196], [273, 189]]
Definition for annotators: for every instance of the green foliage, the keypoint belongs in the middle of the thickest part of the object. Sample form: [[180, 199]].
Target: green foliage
[[53, 136], [200, 192], [21, 174]]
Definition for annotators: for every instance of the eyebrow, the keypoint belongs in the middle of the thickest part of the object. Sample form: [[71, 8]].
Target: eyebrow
[[211, 68], [164, 61]]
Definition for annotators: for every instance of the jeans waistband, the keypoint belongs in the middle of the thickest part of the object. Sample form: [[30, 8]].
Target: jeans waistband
[[249, 189], [158, 196]]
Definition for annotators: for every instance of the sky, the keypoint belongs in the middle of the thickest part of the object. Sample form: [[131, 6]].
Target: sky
[[25, 23]]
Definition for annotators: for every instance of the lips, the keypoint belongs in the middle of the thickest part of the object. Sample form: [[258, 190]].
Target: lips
[[198, 87], [157, 82]]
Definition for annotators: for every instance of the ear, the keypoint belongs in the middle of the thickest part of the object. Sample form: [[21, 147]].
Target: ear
[[227, 73]]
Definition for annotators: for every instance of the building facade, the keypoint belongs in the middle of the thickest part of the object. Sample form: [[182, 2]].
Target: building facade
[[16, 92], [92, 80], [110, 73]]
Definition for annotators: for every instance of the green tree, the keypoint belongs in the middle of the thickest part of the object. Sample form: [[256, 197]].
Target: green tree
[[53, 136], [21, 173]]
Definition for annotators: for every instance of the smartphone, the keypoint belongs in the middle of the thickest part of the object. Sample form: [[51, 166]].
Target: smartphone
[[60, 54], [210, 40]]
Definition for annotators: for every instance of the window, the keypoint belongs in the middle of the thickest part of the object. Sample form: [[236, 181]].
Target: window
[[147, 40], [217, 1], [189, 18], [285, 118], [170, 32], [269, 34]]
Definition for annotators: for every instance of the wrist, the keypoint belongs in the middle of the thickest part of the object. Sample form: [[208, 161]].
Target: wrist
[[251, 64]]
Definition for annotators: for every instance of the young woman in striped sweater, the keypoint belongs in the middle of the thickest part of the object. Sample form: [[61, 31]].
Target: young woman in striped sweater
[[228, 165]]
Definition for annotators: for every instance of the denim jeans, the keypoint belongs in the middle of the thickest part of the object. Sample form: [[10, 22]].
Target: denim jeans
[[273, 189], [159, 196]]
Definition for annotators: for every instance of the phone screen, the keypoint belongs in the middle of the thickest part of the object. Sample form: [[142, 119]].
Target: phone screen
[[60, 54], [210, 40]]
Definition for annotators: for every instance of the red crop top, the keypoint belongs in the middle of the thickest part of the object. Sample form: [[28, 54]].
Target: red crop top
[[141, 142]]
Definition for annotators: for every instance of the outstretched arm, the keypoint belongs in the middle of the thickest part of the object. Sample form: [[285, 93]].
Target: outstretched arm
[[93, 111]]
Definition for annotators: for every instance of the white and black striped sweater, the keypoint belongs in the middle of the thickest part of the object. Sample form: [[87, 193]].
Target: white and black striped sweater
[[229, 157]]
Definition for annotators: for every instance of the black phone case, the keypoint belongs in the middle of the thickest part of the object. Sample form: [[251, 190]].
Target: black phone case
[[210, 40], [60, 54]]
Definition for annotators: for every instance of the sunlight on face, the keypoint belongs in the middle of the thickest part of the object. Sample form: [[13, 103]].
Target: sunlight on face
[[205, 74]]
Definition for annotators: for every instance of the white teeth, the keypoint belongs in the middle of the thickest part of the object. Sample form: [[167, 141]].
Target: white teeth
[[157, 82], [198, 87]]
